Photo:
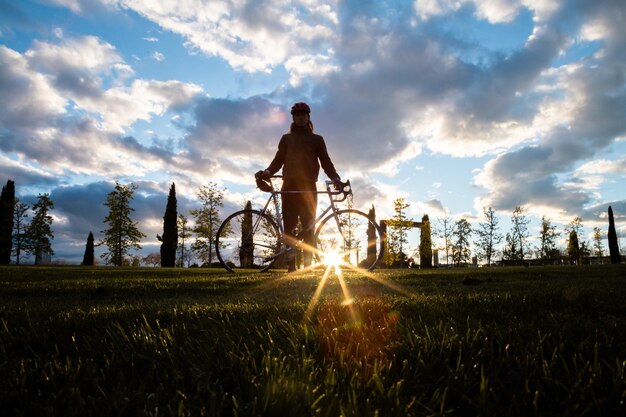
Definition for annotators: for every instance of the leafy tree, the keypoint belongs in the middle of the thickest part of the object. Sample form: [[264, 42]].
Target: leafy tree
[[426, 245], [598, 248], [576, 225], [573, 249], [170, 231], [461, 241], [122, 233], [397, 237], [20, 241], [488, 236], [39, 232], [547, 239], [207, 221], [184, 232], [153, 259], [519, 230], [612, 238], [511, 250], [7, 207], [88, 257]]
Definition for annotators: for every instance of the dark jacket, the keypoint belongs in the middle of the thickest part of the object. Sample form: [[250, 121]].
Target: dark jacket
[[298, 154]]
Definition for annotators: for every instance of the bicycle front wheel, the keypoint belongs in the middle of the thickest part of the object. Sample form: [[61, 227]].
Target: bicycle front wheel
[[247, 239], [352, 237]]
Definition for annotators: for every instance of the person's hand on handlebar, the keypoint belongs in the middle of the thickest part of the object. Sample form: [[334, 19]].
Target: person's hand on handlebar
[[337, 183], [263, 174]]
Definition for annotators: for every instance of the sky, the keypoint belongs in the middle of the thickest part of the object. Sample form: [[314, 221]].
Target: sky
[[453, 105]]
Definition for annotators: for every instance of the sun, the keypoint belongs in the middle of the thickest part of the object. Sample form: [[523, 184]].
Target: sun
[[333, 258]]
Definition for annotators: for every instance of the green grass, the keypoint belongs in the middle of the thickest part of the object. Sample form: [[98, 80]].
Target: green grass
[[505, 341]]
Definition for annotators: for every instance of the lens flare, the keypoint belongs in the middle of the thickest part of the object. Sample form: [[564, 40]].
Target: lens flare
[[333, 258]]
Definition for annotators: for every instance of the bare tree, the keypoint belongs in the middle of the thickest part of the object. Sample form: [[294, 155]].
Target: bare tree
[[184, 233], [445, 231], [461, 245], [488, 236]]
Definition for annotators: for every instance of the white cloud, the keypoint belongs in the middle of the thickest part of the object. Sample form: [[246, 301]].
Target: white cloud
[[249, 36], [158, 56]]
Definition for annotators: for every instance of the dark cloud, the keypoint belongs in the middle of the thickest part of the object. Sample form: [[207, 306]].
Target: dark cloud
[[24, 176]]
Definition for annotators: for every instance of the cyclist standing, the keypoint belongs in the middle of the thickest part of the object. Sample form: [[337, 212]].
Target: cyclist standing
[[300, 154]]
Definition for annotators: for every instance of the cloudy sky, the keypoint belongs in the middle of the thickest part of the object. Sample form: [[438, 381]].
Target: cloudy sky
[[454, 105]]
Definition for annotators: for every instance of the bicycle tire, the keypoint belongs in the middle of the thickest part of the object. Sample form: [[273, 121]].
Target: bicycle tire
[[247, 247], [354, 253]]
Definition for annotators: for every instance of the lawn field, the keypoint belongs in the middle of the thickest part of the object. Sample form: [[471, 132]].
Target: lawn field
[[462, 342]]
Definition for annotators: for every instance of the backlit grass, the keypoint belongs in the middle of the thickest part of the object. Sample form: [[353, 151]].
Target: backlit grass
[[505, 341]]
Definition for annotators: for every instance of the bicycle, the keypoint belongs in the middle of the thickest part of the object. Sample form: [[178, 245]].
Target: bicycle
[[255, 239]]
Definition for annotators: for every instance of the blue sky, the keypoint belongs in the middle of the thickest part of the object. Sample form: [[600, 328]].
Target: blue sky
[[452, 105]]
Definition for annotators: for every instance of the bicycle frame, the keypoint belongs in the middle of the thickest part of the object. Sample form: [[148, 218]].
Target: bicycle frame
[[346, 190]]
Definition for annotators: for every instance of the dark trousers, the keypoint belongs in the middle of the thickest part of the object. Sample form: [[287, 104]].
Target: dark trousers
[[301, 206]]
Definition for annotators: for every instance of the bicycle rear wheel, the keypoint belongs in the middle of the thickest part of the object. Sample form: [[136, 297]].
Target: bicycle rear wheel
[[353, 236], [247, 239]]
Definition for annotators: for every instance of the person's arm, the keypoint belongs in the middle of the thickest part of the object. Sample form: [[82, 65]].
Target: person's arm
[[279, 158], [325, 162]]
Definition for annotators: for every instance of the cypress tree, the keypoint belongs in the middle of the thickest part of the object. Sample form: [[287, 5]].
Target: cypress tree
[[170, 231], [7, 205], [612, 237], [426, 246], [246, 252], [88, 259], [371, 238]]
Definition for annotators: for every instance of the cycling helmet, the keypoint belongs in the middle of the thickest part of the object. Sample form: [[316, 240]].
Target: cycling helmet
[[263, 185], [300, 107]]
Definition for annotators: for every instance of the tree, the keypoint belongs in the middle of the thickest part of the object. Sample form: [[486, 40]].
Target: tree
[[426, 245], [20, 216], [371, 238], [183, 234], [122, 233], [170, 231], [207, 221], [519, 230], [153, 259], [246, 251], [547, 239], [488, 236], [573, 249], [511, 251], [461, 244], [612, 238], [446, 227], [7, 207], [397, 237], [598, 249], [39, 232], [88, 257], [576, 225]]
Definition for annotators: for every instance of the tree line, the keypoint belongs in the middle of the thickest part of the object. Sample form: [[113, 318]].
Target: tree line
[[457, 238], [27, 229]]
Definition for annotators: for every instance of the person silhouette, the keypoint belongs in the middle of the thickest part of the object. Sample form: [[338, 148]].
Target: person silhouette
[[300, 154]]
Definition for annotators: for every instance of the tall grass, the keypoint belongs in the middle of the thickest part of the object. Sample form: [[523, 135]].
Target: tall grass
[[518, 342]]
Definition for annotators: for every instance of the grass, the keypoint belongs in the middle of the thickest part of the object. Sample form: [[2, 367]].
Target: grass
[[502, 341]]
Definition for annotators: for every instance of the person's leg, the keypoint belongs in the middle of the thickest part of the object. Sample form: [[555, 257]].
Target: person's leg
[[307, 213], [290, 220]]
